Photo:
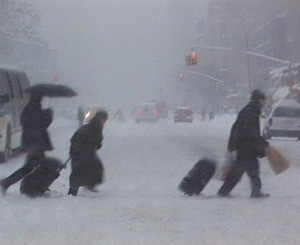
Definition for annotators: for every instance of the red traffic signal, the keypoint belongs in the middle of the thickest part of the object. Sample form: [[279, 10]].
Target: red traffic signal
[[194, 58], [191, 59]]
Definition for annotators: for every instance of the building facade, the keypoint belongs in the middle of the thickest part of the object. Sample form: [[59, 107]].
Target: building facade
[[244, 40]]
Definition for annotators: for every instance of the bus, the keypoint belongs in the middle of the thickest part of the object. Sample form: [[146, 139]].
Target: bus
[[13, 82]]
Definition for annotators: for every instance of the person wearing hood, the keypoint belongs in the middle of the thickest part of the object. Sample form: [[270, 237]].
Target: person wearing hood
[[248, 145], [87, 169], [35, 139]]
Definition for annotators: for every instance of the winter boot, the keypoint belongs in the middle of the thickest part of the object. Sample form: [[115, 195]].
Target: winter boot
[[73, 191], [258, 194], [223, 194], [3, 187], [92, 189]]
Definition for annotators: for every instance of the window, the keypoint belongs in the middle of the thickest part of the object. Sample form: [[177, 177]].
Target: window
[[22, 83], [287, 112], [268, 111], [10, 85], [3, 83]]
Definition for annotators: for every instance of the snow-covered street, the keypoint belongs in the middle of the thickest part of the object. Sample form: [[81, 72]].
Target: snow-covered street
[[139, 203]]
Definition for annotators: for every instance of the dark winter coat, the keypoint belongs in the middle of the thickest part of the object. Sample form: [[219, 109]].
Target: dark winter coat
[[87, 169], [35, 121], [245, 134]]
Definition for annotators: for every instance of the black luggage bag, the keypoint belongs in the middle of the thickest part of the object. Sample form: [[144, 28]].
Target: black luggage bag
[[198, 177], [38, 181]]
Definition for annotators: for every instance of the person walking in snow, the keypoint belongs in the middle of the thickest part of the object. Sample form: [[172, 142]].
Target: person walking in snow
[[87, 169], [35, 139], [246, 142]]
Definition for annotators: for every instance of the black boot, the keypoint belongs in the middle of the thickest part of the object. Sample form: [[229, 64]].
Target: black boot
[[3, 187], [73, 191], [223, 194]]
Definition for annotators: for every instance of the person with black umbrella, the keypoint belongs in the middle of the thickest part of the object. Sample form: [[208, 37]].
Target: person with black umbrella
[[35, 138], [35, 121]]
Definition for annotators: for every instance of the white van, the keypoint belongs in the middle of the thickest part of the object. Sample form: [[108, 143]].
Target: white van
[[282, 119], [12, 101]]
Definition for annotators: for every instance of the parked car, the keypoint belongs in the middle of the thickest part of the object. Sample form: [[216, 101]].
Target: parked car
[[282, 119], [183, 114], [145, 112]]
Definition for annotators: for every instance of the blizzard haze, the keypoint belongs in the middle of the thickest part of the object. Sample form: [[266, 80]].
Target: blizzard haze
[[113, 52], [139, 203]]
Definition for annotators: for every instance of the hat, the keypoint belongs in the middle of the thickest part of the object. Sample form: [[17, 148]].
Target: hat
[[101, 114], [257, 94]]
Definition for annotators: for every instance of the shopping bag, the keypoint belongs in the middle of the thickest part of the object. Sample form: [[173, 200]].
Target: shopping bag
[[278, 162]]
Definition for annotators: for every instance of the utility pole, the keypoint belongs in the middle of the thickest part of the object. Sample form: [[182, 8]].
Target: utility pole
[[248, 63]]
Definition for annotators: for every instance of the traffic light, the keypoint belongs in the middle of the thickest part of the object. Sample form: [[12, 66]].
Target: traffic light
[[191, 59], [188, 59], [194, 59]]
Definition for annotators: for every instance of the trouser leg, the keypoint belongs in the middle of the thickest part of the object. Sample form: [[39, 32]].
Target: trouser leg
[[232, 179], [32, 160], [252, 170], [73, 191], [17, 175], [74, 185]]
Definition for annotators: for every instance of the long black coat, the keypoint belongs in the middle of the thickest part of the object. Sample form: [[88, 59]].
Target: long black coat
[[87, 169], [245, 134], [35, 121]]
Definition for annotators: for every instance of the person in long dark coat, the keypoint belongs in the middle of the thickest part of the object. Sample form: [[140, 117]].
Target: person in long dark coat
[[35, 138], [35, 122], [246, 141], [87, 169]]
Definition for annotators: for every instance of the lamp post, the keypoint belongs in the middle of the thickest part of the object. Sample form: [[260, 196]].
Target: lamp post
[[241, 25], [248, 63]]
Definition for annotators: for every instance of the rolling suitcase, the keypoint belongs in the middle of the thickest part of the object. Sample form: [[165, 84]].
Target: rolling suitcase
[[37, 182], [198, 177]]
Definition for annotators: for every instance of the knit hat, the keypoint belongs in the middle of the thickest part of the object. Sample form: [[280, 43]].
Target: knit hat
[[257, 94]]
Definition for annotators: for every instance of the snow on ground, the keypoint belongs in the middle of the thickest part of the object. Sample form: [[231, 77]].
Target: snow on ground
[[139, 203]]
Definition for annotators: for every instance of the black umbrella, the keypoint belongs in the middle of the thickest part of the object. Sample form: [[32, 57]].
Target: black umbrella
[[51, 90]]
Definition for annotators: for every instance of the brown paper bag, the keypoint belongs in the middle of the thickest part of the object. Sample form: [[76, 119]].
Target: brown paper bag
[[278, 162]]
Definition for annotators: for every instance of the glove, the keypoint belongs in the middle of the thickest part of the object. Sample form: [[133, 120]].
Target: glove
[[261, 148], [49, 111]]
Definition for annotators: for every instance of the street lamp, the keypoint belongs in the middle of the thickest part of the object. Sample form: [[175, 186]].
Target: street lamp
[[244, 28]]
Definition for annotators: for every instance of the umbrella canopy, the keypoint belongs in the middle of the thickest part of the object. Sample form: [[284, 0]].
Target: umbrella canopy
[[51, 90]]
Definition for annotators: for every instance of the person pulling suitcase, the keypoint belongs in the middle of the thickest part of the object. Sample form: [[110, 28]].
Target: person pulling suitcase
[[35, 139]]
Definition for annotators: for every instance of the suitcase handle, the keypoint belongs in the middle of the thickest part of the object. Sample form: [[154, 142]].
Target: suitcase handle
[[65, 164]]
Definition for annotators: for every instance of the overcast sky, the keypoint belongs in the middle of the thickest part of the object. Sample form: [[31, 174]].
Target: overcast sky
[[114, 52]]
